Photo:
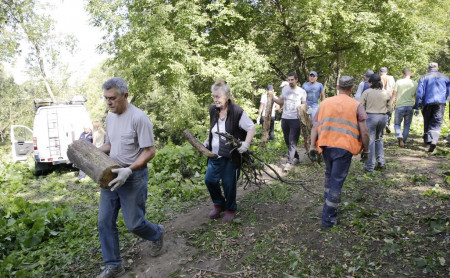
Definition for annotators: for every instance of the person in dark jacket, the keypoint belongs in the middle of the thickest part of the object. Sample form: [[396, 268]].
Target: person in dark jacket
[[432, 92], [225, 116]]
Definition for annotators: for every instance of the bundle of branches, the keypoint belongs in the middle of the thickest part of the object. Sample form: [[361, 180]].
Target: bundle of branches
[[252, 167]]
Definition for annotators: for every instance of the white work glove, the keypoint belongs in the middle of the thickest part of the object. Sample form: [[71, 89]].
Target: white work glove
[[122, 176], [243, 148], [206, 143], [309, 111], [258, 120]]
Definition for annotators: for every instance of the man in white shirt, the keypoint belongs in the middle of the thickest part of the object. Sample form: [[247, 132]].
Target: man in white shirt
[[262, 109], [292, 96]]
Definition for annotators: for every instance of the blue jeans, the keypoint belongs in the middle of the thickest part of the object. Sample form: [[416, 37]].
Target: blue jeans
[[291, 132], [337, 162], [375, 124], [403, 113], [433, 117], [131, 198], [222, 168]]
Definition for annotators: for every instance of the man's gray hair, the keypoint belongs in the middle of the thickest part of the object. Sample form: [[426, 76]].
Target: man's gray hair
[[222, 87], [433, 65], [118, 83], [346, 82]]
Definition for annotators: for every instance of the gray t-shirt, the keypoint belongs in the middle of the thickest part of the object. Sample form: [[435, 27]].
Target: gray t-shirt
[[128, 133], [292, 99]]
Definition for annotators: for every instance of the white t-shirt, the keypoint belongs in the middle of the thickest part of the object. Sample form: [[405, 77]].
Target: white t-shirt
[[245, 123], [264, 101], [128, 133], [292, 99]]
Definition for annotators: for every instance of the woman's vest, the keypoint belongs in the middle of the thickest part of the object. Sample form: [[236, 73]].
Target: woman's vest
[[234, 115], [337, 124]]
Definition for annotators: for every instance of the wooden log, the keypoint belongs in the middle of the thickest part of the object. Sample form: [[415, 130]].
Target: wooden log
[[267, 118], [95, 163], [199, 146], [305, 119]]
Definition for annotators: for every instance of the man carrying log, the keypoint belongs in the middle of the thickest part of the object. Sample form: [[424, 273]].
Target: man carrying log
[[129, 141]]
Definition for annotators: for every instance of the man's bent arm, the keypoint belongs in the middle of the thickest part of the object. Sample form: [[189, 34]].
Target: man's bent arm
[[105, 148], [313, 136], [147, 155], [364, 135], [279, 100]]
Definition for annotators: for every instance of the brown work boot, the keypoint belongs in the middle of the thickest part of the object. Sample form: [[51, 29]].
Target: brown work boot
[[401, 144], [215, 213], [432, 147]]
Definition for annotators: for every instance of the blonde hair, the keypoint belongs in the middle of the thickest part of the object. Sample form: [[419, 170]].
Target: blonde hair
[[97, 126], [222, 87]]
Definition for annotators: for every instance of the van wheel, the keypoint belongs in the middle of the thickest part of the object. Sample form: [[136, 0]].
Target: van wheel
[[41, 168]]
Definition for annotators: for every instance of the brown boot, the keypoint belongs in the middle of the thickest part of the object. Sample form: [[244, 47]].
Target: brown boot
[[401, 144]]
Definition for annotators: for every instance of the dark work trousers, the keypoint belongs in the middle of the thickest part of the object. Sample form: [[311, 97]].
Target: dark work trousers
[[291, 132], [433, 116], [222, 169], [337, 162], [272, 123]]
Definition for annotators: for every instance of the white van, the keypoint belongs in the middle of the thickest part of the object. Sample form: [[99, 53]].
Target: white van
[[56, 126]]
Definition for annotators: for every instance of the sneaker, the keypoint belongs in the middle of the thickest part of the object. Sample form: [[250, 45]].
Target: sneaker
[[157, 245], [401, 144], [287, 167], [432, 147], [229, 216], [215, 213], [110, 272]]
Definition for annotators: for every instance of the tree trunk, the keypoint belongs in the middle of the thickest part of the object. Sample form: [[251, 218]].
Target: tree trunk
[[95, 163], [305, 119], [267, 118], [199, 146]]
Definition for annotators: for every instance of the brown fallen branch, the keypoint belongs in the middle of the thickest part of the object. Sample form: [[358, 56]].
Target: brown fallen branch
[[197, 145], [267, 118], [305, 119], [217, 272], [252, 171], [95, 163]]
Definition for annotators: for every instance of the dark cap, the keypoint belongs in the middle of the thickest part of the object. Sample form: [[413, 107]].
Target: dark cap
[[346, 82], [433, 65], [374, 78], [383, 69], [269, 87], [368, 73], [313, 73]]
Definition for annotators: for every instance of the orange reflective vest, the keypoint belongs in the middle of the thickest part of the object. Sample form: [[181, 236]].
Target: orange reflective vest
[[337, 125]]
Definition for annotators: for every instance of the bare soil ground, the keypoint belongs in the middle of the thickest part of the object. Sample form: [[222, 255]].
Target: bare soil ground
[[385, 226]]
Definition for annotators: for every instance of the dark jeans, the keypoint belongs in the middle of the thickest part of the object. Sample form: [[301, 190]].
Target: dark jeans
[[291, 132], [222, 169], [433, 116], [272, 123], [337, 162]]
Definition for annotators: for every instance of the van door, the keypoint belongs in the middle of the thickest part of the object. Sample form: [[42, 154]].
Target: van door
[[21, 142]]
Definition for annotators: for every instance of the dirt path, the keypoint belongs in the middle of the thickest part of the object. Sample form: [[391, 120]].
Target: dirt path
[[181, 259], [176, 251]]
